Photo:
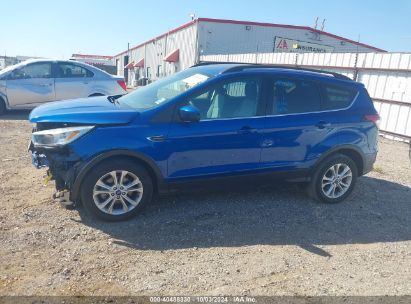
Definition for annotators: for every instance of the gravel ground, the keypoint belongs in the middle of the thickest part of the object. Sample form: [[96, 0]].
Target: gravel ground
[[247, 241]]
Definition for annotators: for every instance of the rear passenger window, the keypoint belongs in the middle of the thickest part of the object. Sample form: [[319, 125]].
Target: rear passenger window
[[295, 96], [69, 70], [337, 97]]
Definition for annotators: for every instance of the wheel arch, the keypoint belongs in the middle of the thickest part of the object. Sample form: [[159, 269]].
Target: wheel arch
[[3, 98], [148, 164], [350, 151], [3, 105]]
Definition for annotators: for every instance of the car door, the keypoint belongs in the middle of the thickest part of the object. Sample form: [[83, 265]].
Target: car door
[[72, 81], [296, 128], [227, 139], [30, 85]]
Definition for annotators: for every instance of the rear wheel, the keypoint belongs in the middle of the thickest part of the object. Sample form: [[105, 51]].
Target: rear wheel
[[334, 179], [117, 190], [2, 107]]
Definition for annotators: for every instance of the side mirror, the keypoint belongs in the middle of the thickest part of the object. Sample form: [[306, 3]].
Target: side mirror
[[189, 114]]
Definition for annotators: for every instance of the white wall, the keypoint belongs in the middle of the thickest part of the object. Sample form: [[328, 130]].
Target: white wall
[[186, 41], [155, 52], [219, 38], [228, 38]]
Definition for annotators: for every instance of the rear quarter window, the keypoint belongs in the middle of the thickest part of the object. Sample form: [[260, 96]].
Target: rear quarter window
[[338, 97]]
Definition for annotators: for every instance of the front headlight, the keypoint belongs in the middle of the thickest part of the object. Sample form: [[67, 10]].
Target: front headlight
[[59, 137]]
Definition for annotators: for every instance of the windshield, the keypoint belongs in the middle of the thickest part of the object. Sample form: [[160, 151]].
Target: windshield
[[11, 67], [163, 90]]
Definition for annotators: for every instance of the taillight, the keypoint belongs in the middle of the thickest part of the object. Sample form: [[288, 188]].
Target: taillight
[[122, 84], [375, 118]]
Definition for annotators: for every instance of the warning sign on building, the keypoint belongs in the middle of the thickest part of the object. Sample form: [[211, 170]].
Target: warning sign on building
[[295, 46]]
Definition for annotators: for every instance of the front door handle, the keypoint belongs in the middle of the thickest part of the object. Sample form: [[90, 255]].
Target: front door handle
[[323, 125]]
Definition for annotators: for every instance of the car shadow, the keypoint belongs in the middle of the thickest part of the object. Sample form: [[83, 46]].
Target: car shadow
[[377, 211], [15, 115]]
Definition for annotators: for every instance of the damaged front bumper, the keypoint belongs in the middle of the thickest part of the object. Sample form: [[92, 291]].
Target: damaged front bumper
[[63, 198], [61, 167], [39, 160]]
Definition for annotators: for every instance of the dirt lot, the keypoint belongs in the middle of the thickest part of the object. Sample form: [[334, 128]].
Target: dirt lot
[[249, 241]]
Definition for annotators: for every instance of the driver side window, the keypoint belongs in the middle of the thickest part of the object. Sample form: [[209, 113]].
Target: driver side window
[[229, 99], [32, 71]]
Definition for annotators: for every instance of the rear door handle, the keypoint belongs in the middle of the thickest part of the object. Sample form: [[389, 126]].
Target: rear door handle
[[246, 130], [323, 125]]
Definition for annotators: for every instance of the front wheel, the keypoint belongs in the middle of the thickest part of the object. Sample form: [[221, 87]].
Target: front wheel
[[117, 190], [334, 179]]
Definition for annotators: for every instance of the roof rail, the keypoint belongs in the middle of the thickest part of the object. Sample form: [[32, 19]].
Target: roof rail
[[243, 66], [201, 63], [288, 67]]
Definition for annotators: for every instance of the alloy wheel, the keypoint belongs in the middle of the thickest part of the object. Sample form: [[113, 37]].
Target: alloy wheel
[[117, 192], [336, 180]]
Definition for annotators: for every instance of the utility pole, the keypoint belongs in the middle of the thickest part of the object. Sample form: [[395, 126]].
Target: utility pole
[[128, 61], [355, 76], [316, 23], [323, 25]]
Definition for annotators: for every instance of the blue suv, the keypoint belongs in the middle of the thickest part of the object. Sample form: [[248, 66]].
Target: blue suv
[[209, 122]]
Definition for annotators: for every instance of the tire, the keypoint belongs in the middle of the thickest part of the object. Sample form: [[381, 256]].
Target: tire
[[323, 181], [99, 187], [3, 108]]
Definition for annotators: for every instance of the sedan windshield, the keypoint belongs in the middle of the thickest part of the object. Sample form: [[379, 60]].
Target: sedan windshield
[[10, 68], [163, 90]]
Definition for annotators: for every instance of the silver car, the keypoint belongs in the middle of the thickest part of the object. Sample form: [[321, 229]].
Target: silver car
[[33, 82]]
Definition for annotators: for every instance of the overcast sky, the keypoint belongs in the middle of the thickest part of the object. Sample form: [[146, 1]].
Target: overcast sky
[[51, 28]]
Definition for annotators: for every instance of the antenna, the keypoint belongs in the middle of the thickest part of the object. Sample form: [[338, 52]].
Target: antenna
[[316, 23], [192, 16], [323, 25]]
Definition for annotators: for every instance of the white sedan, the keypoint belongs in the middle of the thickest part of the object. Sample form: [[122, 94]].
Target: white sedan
[[33, 82]]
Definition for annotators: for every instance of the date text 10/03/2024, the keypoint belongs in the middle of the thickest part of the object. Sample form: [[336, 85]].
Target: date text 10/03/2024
[[199, 299]]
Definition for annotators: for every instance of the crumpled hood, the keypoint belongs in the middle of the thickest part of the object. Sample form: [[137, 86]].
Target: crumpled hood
[[92, 110]]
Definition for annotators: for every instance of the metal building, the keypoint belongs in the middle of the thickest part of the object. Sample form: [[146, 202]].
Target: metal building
[[103, 62], [182, 47]]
